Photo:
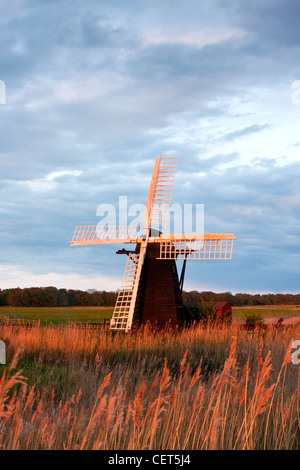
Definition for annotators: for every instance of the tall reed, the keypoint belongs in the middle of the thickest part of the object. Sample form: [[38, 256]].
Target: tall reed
[[203, 388]]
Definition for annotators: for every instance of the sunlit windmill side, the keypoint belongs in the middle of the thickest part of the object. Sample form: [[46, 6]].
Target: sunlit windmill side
[[151, 289]]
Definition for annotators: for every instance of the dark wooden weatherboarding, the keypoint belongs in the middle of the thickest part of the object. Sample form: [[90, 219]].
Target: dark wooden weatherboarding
[[151, 290]]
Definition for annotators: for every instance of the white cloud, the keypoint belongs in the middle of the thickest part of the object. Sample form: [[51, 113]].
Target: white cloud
[[46, 91], [196, 39], [19, 48], [50, 181], [13, 276]]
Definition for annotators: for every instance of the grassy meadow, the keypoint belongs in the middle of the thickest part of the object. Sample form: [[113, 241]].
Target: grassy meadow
[[267, 311], [58, 315], [206, 387]]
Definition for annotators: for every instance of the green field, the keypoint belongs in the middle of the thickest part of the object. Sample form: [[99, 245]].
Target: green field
[[266, 311], [56, 315]]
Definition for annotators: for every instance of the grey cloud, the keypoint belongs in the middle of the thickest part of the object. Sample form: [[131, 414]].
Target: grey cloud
[[245, 131], [276, 22], [168, 99]]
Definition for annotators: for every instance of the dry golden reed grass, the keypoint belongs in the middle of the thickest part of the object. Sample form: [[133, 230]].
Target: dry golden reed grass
[[201, 388]]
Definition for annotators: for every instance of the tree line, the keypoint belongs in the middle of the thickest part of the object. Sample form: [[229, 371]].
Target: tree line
[[241, 299], [53, 297]]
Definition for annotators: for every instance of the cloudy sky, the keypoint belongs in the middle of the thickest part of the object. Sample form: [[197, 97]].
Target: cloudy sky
[[96, 90]]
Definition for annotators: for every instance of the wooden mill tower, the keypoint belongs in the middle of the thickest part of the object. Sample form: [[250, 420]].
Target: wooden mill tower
[[151, 289]]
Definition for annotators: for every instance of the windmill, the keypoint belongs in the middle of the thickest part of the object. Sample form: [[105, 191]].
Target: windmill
[[151, 289]]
